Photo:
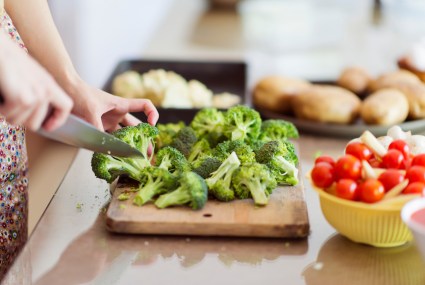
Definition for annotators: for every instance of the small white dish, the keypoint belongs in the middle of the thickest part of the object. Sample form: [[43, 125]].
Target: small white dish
[[417, 228]]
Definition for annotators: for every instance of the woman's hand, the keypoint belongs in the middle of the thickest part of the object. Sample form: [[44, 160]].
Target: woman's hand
[[30, 96], [108, 112]]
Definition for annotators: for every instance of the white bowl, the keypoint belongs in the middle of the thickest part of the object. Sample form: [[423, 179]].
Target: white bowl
[[417, 229]]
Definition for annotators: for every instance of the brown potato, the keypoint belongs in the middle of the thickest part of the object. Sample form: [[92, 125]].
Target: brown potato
[[325, 103], [276, 92], [385, 107], [355, 79], [415, 94], [391, 79]]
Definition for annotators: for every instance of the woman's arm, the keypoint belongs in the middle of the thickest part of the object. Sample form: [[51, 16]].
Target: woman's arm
[[35, 24]]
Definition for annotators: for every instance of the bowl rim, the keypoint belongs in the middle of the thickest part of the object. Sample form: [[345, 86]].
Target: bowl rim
[[407, 211]]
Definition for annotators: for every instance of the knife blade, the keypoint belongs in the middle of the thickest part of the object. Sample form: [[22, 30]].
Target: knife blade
[[79, 133]]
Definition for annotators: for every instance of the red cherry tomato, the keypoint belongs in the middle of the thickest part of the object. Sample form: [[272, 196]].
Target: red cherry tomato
[[392, 159], [416, 174], [359, 150], [371, 191], [390, 178], [401, 146], [325, 158], [348, 167], [347, 189], [419, 160], [323, 175], [375, 163], [415, 188]]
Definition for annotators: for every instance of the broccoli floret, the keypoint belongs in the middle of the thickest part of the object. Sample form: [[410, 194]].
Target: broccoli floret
[[243, 151], [220, 180], [276, 130], [199, 149], [108, 167], [153, 181], [167, 132], [206, 165], [172, 160], [192, 191], [242, 123], [208, 121], [254, 180], [282, 160], [141, 137], [184, 140]]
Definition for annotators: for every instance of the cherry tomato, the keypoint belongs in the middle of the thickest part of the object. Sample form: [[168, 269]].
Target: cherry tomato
[[323, 175], [359, 150], [371, 191], [375, 163], [414, 188], [392, 159], [346, 189], [401, 146], [349, 167], [390, 178], [325, 158], [419, 160], [406, 163], [416, 174]]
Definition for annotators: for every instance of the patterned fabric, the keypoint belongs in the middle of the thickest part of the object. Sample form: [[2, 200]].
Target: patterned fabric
[[13, 179]]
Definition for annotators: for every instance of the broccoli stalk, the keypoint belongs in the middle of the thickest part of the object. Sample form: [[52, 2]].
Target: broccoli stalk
[[242, 123], [199, 149], [192, 191], [280, 157], [108, 167], [154, 181], [254, 180], [220, 180]]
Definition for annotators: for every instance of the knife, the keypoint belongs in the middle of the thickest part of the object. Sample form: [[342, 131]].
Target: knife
[[79, 133]]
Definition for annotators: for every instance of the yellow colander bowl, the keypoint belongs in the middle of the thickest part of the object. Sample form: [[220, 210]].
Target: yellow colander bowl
[[377, 224]]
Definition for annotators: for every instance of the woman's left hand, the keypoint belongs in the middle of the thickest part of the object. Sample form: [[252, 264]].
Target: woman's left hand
[[108, 112]]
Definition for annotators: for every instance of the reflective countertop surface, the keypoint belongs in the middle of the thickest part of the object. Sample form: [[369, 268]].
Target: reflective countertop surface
[[70, 244]]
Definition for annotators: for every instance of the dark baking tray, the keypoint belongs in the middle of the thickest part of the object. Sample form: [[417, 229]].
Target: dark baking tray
[[218, 76]]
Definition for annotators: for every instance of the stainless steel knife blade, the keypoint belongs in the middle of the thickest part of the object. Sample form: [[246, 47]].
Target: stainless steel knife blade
[[79, 133]]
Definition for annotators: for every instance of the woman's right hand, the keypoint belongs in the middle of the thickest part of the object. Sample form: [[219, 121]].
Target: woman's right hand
[[30, 95]]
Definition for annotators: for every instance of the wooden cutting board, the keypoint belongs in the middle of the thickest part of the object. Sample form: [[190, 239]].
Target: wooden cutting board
[[285, 216]]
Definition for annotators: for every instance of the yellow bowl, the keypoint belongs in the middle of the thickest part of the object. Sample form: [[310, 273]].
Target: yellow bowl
[[377, 224]]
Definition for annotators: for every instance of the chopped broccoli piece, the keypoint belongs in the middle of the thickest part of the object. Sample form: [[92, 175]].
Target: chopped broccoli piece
[[167, 132], [242, 123], [208, 121], [219, 182], [154, 181], [123, 196], [199, 149], [242, 150], [206, 165], [276, 130], [281, 159], [172, 160], [192, 191], [184, 140], [108, 167], [254, 180], [141, 137]]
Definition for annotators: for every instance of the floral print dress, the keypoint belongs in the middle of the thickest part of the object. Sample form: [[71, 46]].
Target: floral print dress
[[13, 178]]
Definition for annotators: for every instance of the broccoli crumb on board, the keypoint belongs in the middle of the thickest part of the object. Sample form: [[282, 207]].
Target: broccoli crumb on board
[[123, 196], [122, 206]]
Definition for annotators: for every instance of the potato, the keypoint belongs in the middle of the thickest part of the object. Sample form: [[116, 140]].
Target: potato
[[276, 92], [355, 79], [325, 103], [385, 107], [391, 79]]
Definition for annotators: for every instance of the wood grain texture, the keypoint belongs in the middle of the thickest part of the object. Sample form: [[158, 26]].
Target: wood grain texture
[[284, 216]]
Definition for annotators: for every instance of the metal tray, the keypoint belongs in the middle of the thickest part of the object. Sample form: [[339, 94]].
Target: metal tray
[[218, 76]]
